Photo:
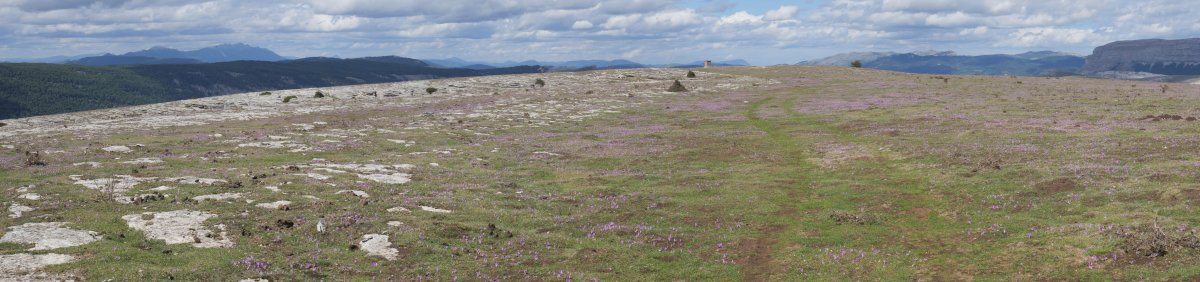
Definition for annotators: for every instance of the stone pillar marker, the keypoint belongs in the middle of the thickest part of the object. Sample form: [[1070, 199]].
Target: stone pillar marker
[[707, 64]]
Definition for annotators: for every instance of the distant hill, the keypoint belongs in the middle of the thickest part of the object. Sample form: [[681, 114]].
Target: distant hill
[[451, 62], [164, 55], [397, 60], [112, 60], [1153, 56], [700, 64], [41, 89], [933, 62], [845, 59], [47, 60]]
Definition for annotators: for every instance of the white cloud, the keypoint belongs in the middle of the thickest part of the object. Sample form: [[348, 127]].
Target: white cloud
[[1049, 36], [582, 25], [977, 31], [741, 17], [783, 13], [632, 54]]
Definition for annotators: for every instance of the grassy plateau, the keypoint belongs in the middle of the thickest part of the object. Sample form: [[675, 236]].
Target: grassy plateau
[[755, 174]]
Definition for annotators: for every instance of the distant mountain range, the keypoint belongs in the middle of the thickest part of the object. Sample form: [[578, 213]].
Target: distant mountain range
[[164, 55], [948, 62]]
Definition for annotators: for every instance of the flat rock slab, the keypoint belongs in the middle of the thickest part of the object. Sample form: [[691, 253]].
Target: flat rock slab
[[395, 178], [218, 197], [145, 161], [116, 149], [196, 180], [434, 210], [16, 210], [387, 174], [18, 267], [274, 205], [179, 227], [378, 245], [117, 184], [48, 236]]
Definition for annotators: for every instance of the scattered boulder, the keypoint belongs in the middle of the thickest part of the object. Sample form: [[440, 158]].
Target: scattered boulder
[[48, 236]]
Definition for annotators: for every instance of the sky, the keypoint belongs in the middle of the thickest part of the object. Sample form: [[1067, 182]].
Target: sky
[[647, 31]]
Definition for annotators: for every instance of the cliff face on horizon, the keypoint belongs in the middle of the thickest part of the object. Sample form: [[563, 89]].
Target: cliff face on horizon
[[1167, 57]]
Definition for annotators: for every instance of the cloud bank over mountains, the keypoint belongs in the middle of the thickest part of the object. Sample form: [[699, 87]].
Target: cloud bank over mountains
[[654, 31]]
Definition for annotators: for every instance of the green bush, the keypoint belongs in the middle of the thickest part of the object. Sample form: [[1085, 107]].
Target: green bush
[[289, 98], [430, 90], [539, 82], [856, 63], [691, 74], [677, 87], [319, 95], [264, 94]]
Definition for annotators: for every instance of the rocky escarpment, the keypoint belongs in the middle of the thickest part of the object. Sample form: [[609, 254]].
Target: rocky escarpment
[[1167, 57]]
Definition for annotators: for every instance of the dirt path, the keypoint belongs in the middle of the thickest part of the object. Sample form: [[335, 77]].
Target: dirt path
[[760, 263]]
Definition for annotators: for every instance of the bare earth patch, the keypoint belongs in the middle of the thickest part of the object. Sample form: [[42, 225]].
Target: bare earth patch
[[833, 155]]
